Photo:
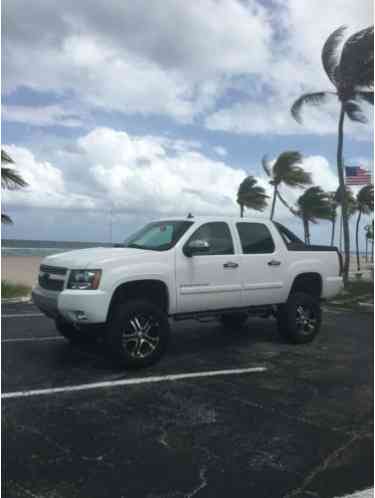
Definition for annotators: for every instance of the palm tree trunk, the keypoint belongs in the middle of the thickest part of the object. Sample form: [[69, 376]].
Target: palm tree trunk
[[273, 202], [306, 230], [241, 210], [356, 239], [333, 232], [366, 248], [344, 205]]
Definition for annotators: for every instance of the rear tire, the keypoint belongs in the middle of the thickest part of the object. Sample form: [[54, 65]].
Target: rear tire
[[233, 320], [299, 319], [138, 334], [81, 334]]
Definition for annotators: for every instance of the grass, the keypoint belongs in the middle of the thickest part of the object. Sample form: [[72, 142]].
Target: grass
[[8, 289], [356, 292]]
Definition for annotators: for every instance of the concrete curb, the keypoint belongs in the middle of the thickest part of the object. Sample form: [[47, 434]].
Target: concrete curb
[[16, 300]]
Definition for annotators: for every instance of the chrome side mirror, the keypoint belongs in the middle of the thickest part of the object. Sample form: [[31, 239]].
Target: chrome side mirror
[[197, 247]]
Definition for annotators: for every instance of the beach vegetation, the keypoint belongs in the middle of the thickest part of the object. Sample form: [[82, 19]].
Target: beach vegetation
[[251, 196], [352, 76], [286, 170], [9, 290], [313, 204], [365, 205], [10, 179]]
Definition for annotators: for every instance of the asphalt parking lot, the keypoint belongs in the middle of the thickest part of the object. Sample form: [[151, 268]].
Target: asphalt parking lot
[[280, 421]]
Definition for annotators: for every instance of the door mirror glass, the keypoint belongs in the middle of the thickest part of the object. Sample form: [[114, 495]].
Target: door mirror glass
[[197, 246]]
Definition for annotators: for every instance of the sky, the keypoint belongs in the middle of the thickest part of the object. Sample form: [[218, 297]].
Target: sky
[[120, 112]]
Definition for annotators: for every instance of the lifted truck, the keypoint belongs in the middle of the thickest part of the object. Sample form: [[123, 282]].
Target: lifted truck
[[187, 268]]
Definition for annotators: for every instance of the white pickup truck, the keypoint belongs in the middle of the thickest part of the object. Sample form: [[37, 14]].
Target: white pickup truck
[[182, 269]]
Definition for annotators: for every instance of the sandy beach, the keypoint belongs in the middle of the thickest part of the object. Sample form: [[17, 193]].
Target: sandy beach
[[20, 269], [24, 269]]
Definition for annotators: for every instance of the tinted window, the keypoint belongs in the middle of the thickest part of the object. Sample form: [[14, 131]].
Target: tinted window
[[255, 238], [158, 236], [217, 234]]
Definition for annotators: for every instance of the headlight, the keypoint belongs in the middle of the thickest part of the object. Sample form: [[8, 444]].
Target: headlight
[[84, 279]]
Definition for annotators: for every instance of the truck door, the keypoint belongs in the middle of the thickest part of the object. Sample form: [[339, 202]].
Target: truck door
[[262, 269], [210, 280]]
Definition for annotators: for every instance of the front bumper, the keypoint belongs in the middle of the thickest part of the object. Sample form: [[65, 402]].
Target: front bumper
[[73, 305]]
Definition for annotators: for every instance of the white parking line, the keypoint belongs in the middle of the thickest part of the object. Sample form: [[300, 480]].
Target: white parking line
[[129, 382], [27, 339], [366, 493], [23, 315]]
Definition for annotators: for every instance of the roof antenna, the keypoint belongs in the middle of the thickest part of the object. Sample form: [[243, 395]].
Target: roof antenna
[[190, 216]]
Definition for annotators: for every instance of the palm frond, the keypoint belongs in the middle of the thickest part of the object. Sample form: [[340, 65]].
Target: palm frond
[[367, 96], [357, 59], [351, 202], [315, 204], [330, 58], [11, 179], [354, 111], [266, 166], [287, 170], [252, 195], [5, 157], [365, 199], [7, 220], [307, 98]]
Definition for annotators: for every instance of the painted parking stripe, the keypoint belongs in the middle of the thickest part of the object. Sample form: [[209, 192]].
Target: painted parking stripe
[[31, 339], [22, 315], [366, 493], [129, 382]]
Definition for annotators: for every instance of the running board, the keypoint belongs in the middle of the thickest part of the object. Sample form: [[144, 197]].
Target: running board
[[260, 311]]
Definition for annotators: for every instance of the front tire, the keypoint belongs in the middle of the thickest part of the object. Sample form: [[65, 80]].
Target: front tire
[[299, 319], [138, 334]]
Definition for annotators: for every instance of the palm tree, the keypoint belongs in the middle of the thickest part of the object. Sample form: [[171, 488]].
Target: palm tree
[[353, 78], [286, 170], [251, 195], [351, 204], [333, 214], [365, 205], [10, 180], [313, 204]]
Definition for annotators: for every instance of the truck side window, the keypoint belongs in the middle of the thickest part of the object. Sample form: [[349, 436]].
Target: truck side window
[[218, 235], [255, 238]]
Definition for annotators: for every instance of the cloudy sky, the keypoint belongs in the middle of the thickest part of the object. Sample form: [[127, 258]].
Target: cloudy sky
[[159, 108]]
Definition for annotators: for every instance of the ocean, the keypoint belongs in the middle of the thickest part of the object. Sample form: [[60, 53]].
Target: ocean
[[14, 247]]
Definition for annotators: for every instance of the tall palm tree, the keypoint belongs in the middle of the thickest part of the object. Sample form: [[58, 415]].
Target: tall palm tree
[[286, 170], [251, 195], [333, 214], [352, 75], [313, 204], [365, 205], [10, 180], [351, 204]]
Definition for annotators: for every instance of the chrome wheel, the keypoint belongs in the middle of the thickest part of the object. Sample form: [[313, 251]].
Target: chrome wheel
[[140, 336], [305, 319]]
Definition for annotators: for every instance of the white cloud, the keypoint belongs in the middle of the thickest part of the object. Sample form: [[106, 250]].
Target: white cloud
[[42, 116], [142, 176]]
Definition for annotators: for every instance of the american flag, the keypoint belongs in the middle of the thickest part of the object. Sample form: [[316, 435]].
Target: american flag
[[355, 175]]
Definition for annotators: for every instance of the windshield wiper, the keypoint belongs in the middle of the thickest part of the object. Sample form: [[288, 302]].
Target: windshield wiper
[[134, 246]]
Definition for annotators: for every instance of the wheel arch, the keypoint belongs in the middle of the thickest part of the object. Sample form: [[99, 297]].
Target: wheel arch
[[153, 290], [308, 282]]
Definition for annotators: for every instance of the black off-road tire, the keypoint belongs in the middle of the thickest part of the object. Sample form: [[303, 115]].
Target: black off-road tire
[[299, 319], [83, 334], [130, 348], [233, 320]]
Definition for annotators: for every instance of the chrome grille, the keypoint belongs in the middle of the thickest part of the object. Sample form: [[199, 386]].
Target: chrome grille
[[47, 279]]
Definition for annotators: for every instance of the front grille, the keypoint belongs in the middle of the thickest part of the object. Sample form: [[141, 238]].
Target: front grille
[[53, 270], [49, 283]]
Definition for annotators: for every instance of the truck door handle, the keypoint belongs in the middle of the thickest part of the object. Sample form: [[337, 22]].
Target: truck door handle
[[274, 262], [230, 264]]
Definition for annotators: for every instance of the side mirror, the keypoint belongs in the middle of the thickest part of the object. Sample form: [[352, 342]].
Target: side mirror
[[197, 247]]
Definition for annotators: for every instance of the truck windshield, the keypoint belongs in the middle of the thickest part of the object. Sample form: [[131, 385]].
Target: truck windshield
[[158, 236]]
